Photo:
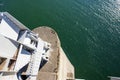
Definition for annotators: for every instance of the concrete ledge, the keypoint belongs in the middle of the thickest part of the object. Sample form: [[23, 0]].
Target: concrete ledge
[[59, 66]]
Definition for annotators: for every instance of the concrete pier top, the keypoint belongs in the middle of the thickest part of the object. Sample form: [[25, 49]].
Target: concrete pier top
[[58, 67]]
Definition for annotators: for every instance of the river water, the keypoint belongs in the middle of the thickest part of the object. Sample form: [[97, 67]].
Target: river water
[[89, 31]]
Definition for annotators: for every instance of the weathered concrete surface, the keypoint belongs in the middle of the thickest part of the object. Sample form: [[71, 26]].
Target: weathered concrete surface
[[66, 69], [58, 67]]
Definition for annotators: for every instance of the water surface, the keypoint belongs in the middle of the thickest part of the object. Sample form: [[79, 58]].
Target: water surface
[[88, 29]]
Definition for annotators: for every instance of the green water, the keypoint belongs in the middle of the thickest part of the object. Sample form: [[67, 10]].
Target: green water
[[88, 29]]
